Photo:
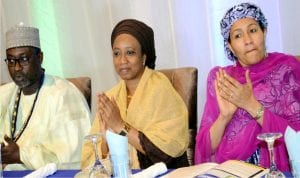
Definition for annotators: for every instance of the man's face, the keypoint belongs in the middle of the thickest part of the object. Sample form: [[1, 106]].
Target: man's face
[[27, 67]]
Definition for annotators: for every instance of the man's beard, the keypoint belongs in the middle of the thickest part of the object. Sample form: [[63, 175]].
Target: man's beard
[[21, 80]]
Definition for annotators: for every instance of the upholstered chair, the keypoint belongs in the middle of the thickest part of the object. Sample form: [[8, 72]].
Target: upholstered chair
[[184, 81], [84, 85]]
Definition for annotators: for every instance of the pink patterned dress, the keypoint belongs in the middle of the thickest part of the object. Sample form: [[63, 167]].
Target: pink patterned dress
[[276, 85]]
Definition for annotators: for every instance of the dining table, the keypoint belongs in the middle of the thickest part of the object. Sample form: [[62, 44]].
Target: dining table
[[57, 174], [72, 173]]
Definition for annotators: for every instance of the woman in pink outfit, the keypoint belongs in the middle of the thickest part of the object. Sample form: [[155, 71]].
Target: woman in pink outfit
[[260, 93]]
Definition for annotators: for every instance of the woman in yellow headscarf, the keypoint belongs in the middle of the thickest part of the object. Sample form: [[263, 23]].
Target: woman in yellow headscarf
[[144, 106]]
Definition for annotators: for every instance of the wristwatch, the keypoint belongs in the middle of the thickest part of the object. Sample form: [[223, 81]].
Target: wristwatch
[[125, 129], [259, 113]]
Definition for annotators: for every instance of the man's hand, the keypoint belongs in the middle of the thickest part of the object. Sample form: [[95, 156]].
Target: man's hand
[[10, 152]]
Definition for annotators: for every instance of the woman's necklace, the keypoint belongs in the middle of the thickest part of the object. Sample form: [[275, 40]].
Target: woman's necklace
[[16, 109]]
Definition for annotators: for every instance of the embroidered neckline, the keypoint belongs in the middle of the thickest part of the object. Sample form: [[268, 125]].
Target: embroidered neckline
[[16, 109]]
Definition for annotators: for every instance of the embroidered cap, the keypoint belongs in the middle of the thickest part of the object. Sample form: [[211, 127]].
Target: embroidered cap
[[21, 35], [243, 10]]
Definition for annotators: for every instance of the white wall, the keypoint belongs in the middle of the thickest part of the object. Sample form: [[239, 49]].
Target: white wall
[[290, 25], [186, 33]]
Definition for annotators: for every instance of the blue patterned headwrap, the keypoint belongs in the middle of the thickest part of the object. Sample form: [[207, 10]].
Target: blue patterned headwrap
[[243, 10]]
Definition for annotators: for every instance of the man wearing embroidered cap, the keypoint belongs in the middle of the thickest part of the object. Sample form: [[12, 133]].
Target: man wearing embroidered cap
[[43, 118], [259, 94]]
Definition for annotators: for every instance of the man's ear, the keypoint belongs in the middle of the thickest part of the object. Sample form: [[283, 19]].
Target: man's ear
[[41, 56]]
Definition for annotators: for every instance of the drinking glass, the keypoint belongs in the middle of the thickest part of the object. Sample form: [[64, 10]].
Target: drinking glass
[[97, 170], [270, 139]]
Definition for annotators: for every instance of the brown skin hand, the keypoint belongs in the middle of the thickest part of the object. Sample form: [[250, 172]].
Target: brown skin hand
[[10, 153]]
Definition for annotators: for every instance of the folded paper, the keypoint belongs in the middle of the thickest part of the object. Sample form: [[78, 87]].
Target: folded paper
[[152, 171]]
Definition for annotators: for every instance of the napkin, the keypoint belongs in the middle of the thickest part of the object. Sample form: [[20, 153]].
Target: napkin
[[152, 171], [42, 172], [118, 151], [118, 147], [292, 141]]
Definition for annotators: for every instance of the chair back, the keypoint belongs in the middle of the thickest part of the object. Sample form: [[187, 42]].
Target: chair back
[[84, 85], [184, 80]]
